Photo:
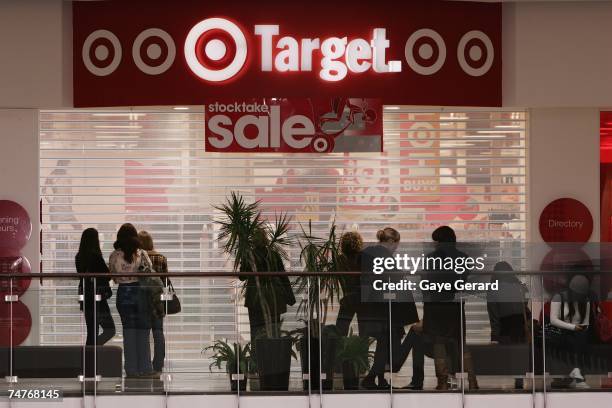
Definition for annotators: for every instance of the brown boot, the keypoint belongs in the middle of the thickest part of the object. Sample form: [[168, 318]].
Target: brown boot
[[468, 366], [441, 373]]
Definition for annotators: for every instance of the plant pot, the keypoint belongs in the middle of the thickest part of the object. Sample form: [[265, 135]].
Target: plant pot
[[328, 356], [273, 363], [350, 377], [234, 383]]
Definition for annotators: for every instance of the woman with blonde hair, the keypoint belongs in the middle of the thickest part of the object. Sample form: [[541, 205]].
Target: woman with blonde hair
[[375, 310]]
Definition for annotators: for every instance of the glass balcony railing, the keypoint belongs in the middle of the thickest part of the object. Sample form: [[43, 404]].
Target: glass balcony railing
[[306, 334]]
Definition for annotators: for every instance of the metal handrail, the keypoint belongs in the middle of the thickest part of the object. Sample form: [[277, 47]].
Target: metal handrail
[[226, 274]]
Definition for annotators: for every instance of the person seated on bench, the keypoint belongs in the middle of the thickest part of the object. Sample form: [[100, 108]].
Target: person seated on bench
[[570, 312], [507, 309]]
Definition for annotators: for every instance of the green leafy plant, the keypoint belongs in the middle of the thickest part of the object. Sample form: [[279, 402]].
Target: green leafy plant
[[232, 355], [319, 254], [257, 246], [355, 350]]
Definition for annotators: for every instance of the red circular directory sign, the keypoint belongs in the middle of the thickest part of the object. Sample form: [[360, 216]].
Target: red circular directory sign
[[15, 227], [19, 326], [14, 264], [566, 220]]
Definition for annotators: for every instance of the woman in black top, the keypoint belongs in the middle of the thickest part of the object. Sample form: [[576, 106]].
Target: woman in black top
[[282, 294], [376, 313], [89, 260], [443, 317], [351, 245]]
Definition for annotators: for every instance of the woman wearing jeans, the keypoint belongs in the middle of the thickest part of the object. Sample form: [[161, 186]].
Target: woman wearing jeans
[[160, 265], [132, 303]]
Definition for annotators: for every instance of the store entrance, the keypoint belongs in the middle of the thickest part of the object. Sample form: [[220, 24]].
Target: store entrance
[[101, 168]]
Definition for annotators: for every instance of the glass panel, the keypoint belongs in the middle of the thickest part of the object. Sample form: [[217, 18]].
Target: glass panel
[[576, 309], [102, 354], [498, 330], [7, 288], [275, 329], [51, 355], [203, 338], [137, 303]]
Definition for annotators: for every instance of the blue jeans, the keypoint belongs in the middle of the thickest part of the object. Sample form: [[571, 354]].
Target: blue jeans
[[136, 321], [159, 343]]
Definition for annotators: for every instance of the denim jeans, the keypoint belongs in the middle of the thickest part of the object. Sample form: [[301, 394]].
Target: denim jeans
[[159, 343], [136, 321]]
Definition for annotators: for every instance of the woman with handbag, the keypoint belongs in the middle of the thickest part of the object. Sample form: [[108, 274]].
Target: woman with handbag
[[97, 314], [133, 302], [160, 265], [568, 331]]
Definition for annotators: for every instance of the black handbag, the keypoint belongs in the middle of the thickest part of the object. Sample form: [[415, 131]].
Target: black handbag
[[173, 304]]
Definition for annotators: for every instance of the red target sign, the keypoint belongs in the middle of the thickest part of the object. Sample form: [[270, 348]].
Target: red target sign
[[405, 53]]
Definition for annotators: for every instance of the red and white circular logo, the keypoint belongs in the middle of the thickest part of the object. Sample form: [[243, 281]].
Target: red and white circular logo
[[216, 49]]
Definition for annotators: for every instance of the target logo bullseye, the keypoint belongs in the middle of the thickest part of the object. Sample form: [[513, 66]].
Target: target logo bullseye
[[475, 53], [430, 51], [159, 51], [101, 52], [216, 49]]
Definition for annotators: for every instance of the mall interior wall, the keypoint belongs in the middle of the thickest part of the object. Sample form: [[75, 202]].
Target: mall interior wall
[[19, 181], [36, 49], [557, 60]]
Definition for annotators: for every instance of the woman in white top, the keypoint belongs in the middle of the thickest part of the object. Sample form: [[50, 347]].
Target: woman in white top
[[570, 311], [132, 302]]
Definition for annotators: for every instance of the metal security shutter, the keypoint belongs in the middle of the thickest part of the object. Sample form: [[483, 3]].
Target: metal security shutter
[[101, 168]]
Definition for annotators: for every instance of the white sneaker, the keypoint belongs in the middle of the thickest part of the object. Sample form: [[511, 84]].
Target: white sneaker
[[579, 384], [576, 374]]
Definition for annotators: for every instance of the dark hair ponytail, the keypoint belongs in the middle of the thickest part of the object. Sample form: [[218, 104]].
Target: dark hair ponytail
[[127, 241]]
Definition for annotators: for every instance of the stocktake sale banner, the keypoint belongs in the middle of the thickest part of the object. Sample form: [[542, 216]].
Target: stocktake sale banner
[[294, 125], [172, 53]]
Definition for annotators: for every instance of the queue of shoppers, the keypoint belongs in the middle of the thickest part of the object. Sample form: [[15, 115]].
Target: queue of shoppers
[[439, 334], [138, 298]]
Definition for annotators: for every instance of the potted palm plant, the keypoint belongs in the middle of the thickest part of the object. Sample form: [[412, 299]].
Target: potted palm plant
[[354, 355], [235, 357], [260, 246], [318, 254]]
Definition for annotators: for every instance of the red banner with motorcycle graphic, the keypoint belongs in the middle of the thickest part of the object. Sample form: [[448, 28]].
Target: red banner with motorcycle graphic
[[294, 125]]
